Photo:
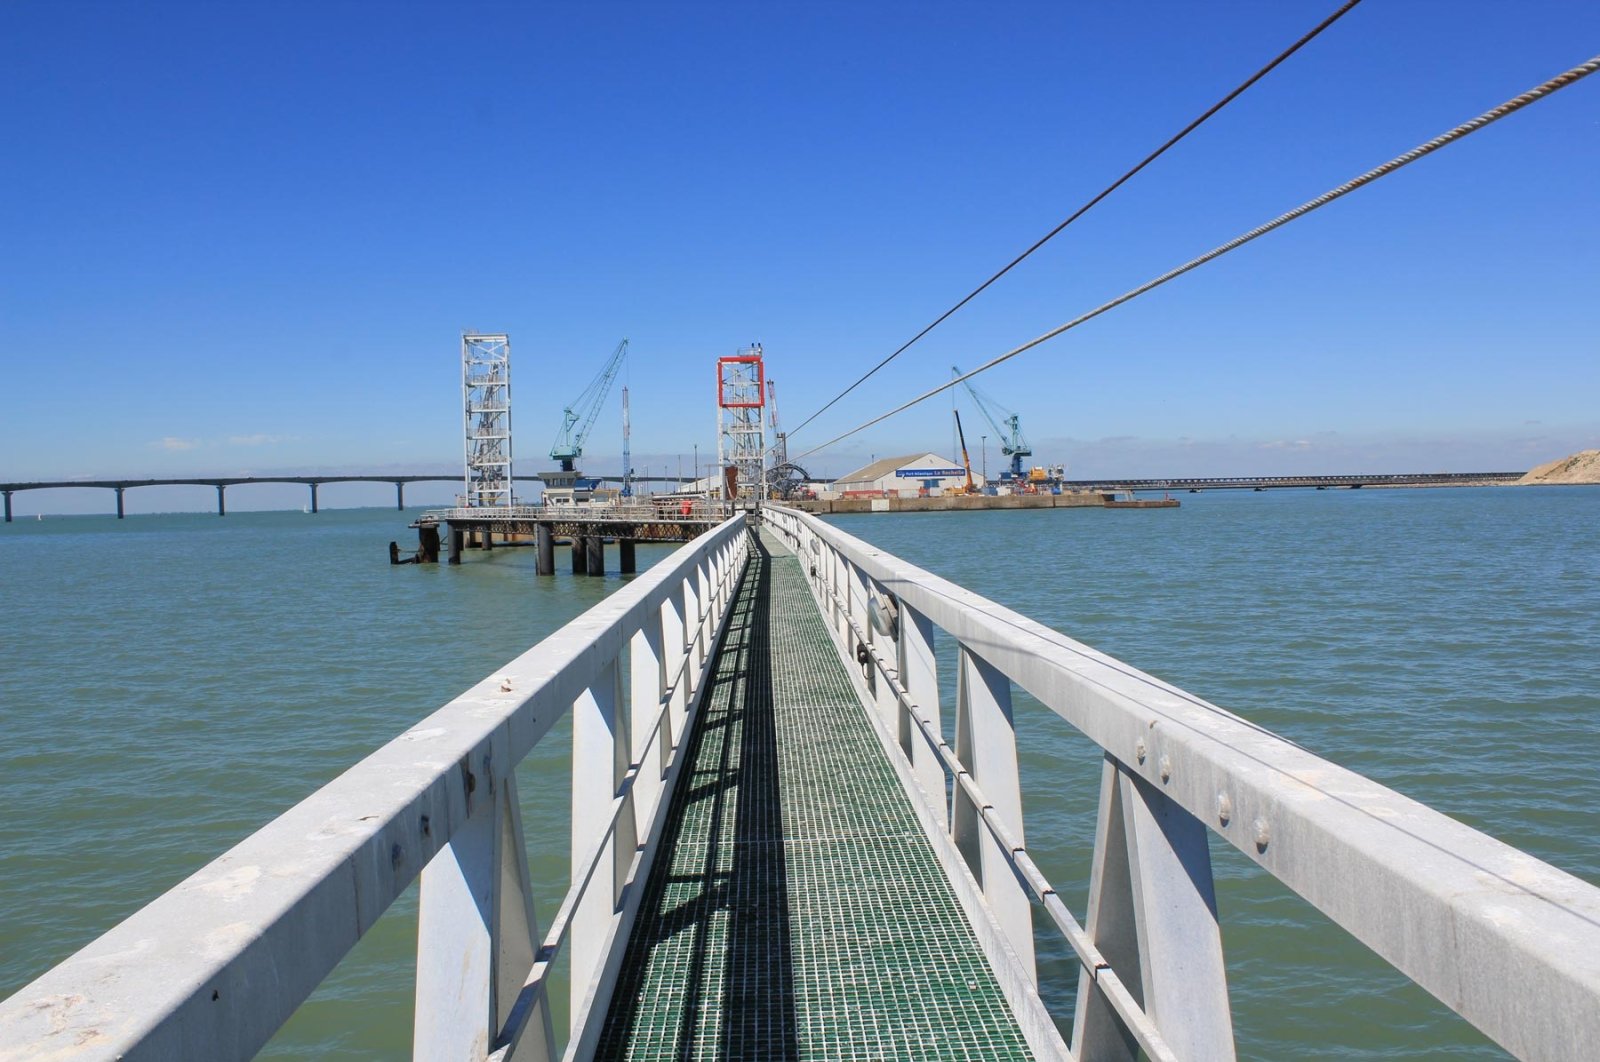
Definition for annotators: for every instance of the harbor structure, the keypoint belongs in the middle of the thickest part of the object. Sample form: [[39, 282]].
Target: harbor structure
[[741, 431], [486, 402], [908, 475]]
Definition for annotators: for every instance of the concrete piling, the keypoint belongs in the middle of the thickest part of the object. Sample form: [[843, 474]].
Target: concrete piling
[[625, 555], [456, 535], [546, 549], [595, 552], [579, 565]]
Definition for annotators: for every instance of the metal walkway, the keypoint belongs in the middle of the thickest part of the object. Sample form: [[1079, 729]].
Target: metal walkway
[[801, 913]]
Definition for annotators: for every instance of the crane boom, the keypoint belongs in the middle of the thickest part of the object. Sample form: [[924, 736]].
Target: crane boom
[[966, 462], [584, 409], [1008, 427]]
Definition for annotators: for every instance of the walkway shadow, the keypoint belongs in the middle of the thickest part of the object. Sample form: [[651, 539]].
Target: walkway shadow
[[733, 906]]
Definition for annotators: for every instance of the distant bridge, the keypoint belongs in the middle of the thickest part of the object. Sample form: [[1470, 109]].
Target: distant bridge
[[222, 483], [1393, 479]]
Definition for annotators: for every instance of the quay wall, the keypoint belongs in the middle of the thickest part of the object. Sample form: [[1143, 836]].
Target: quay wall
[[952, 502]]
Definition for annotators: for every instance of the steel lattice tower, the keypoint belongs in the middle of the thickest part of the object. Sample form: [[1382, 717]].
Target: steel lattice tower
[[486, 394], [741, 436]]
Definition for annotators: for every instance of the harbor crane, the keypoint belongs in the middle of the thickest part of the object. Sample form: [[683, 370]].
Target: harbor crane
[[784, 479], [966, 462], [1006, 424], [583, 411]]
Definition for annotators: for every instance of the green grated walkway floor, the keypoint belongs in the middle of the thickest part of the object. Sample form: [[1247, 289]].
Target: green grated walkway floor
[[796, 910]]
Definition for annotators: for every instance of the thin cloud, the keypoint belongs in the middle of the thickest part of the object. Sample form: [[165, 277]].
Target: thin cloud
[[258, 439], [173, 443]]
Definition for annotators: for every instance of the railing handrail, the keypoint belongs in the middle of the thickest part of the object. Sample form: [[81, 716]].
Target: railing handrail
[[1506, 940], [217, 964], [664, 512]]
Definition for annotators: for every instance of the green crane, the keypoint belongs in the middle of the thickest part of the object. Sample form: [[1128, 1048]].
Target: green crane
[[584, 408], [1008, 426]]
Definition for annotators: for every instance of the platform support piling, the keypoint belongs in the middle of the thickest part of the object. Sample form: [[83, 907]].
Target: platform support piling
[[428, 544], [594, 550], [313, 497], [120, 509], [488, 538], [222, 504], [456, 534], [545, 547], [627, 562], [579, 565]]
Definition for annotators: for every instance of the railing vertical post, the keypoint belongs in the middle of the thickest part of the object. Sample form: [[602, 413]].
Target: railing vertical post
[[1153, 915], [475, 931], [600, 747], [702, 579], [986, 745], [674, 650], [647, 681], [839, 592], [919, 674], [883, 695]]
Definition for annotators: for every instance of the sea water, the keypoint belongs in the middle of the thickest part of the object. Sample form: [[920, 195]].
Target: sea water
[[168, 684]]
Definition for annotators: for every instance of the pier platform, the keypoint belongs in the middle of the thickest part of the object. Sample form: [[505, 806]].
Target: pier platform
[[585, 528], [798, 911]]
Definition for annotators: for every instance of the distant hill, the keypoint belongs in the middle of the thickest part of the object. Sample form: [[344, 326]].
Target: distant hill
[[1581, 467]]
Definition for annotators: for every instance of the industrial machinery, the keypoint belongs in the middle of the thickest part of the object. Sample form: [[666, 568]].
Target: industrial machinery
[[785, 480], [966, 462], [1008, 426], [627, 455], [583, 411]]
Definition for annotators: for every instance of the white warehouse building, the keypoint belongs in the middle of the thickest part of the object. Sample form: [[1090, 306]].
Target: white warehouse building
[[908, 475]]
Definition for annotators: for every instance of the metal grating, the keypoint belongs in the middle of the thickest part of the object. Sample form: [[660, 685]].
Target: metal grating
[[801, 914]]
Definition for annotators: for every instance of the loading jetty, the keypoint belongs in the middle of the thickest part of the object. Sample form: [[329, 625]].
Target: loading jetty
[[777, 853]]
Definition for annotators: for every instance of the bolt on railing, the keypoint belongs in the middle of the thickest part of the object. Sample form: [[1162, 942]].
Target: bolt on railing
[[212, 968], [1505, 940]]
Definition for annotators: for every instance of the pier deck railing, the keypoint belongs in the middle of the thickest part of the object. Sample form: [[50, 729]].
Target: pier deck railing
[[1510, 943], [212, 968], [663, 511]]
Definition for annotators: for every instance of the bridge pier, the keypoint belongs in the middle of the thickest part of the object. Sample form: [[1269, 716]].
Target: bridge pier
[[119, 491], [594, 551], [546, 548], [625, 556], [400, 496], [8, 506], [313, 497], [222, 504]]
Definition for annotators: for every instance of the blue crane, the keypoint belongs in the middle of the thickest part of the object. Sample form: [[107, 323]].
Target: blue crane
[[585, 408], [1008, 426]]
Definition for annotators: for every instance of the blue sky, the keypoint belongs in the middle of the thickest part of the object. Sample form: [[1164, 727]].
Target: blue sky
[[246, 237]]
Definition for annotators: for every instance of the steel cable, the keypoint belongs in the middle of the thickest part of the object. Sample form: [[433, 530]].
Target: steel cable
[[1511, 106], [1085, 208]]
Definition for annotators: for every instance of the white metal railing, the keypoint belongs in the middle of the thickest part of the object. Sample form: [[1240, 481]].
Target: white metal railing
[[212, 968], [1510, 943]]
